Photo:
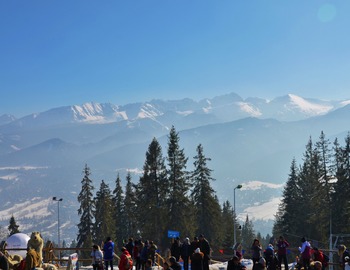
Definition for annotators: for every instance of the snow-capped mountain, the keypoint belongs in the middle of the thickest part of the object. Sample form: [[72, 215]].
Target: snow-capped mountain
[[42, 155]]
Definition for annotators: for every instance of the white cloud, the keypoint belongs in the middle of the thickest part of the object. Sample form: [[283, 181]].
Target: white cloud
[[255, 185]]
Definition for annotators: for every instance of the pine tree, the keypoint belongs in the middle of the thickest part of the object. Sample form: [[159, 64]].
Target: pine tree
[[85, 211], [152, 194], [248, 234], [13, 227], [118, 203], [323, 203], [104, 213], [290, 209], [207, 208], [340, 197], [130, 208], [309, 185], [178, 203], [227, 226]]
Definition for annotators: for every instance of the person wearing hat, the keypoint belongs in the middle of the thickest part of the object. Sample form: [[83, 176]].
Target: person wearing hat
[[197, 260], [186, 252], [235, 264], [97, 258], [205, 248], [174, 264]]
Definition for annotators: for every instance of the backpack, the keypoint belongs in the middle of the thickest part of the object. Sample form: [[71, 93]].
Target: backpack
[[129, 262]]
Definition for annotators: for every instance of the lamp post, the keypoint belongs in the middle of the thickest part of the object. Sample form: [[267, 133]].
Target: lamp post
[[234, 210], [58, 221]]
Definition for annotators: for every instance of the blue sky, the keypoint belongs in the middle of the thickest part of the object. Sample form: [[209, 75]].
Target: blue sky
[[56, 53]]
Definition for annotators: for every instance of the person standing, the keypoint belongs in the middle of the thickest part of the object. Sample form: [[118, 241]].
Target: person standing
[[125, 262], [175, 249], [130, 246], [282, 245], [108, 252], [186, 252], [305, 251], [344, 256], [205, 248], [256, 252], [197, 260], [97, 257]]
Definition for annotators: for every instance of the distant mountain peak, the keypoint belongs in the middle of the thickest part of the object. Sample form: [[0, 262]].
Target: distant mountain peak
[[307, 106]]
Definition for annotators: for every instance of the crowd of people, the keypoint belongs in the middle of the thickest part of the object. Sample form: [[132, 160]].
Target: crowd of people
[[142, 255], [196, 253], [274, 256]]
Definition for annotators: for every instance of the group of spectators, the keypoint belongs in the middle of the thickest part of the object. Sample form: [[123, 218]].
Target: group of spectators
[[271, 259], [197, 252]]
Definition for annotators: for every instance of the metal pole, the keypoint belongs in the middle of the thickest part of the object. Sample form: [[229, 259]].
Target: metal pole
[[58, 224], [234, 210]]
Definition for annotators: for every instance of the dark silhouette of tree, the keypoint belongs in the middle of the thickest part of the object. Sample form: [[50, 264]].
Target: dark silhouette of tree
[[207, 210], [152, 194], [118, 203], [131, 209], [178, 202], [104, 213], [13, 227], [86, 211]]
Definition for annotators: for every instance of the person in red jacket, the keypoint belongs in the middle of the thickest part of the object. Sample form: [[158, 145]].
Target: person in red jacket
[[282, 245], [125, 262]]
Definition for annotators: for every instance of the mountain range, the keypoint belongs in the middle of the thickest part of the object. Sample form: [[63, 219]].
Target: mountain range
[[250, 141]]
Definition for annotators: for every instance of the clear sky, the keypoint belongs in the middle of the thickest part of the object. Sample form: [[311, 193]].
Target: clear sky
[[63, 52]]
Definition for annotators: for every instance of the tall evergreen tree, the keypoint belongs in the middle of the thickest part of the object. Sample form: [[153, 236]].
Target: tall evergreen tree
[[130, 208], [207, 208], [86, 211], [118, 202], [178, 203], [323, 203], [340, 197], [104, 213], [13, 227], [227, 226], [248, 233], [152, 194], [290, 209]]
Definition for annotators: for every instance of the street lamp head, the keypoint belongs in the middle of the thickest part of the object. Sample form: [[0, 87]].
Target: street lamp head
[[57, 200], [239, 187]]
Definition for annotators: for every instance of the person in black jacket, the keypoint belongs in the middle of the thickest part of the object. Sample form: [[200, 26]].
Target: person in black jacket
[[205, 248], [186, 252], [175, 249], [174, 264], [235, 264]]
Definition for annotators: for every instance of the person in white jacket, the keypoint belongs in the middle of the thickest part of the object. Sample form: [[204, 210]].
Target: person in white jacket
[[305, 253]]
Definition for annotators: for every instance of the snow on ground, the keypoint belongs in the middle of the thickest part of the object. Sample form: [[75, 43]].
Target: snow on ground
[[35, 207]]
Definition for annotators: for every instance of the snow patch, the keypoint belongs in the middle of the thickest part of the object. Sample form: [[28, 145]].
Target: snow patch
[[265, 211], [29, 209], [308, 107], [246, 107], [184, 113]]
